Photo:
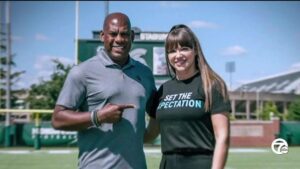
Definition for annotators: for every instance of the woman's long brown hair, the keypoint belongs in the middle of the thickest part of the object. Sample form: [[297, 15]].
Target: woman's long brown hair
[[183, 36]]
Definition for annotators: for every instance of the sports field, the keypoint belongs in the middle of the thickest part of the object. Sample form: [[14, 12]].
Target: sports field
[[66, 158]]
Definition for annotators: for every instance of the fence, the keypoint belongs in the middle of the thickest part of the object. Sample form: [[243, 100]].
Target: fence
[[37, 125], [248, 133], [254, 133]]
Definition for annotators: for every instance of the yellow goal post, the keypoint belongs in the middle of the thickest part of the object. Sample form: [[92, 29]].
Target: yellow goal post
[[36, 112]]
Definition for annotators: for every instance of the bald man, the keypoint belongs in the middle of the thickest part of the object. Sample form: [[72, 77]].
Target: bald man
[[105, 99]]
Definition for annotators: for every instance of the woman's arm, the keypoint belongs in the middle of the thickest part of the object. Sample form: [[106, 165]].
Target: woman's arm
[[221, 128], [152, 130]]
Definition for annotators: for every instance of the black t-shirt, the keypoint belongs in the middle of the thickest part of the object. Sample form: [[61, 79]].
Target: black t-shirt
[[182, 117]]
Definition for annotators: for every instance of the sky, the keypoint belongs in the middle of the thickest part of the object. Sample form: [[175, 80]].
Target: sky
[[261, 37]]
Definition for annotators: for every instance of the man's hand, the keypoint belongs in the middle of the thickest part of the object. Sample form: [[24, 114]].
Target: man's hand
[[112, 113]]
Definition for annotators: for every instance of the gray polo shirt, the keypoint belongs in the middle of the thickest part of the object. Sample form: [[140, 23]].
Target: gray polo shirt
[[96, 82]]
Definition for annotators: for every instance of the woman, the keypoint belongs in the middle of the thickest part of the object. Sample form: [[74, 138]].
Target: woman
[[191, 108]]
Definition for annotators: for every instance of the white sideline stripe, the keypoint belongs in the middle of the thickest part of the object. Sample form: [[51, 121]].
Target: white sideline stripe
[[232, 150], [152, 151], [248, 150], [60, 152], [37, 151], [146, 150], [14, 151]]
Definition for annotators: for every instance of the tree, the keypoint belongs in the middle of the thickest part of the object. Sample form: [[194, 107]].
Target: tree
[[294, 111], [45, 94], [269, 108], [14, 77]]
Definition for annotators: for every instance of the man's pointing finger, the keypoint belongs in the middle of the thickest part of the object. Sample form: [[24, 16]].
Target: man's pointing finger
[[126, 106]]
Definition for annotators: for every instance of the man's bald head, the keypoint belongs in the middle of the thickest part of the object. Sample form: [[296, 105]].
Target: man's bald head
[[116, 17]]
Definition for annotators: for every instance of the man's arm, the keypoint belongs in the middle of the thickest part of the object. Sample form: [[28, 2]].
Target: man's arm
[[67, 119]]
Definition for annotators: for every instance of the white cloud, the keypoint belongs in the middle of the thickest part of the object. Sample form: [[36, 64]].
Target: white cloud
[[41, 37], [202, 24], [44, 65], [295, 66], [172, 4], [234, 51], [16, 38], [25, 81], [20, 85]]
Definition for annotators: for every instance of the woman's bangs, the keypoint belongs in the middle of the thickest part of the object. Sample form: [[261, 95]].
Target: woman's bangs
[[181, 38]]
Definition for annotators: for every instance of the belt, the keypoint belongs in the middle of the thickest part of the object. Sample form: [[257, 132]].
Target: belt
[[189, 151]]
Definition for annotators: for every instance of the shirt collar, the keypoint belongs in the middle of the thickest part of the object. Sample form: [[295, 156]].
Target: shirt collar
[[108, 62]]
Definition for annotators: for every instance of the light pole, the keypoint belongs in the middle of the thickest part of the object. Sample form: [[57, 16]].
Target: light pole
[[106, 8], [76, 31], [8, 84], [230, 68]]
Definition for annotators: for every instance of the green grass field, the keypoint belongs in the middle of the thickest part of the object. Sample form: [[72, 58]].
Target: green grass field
[[27, 158]]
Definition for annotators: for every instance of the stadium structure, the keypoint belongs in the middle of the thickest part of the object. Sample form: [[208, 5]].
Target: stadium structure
[[282, 89]]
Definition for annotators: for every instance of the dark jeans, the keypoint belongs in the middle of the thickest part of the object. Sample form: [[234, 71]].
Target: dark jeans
[[178, 161]]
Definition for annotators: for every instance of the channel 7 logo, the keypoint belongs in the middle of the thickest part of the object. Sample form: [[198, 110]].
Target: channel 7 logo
[[280, 146]]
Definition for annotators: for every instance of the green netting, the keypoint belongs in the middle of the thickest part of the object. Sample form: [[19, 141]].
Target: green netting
[[1, 133], [290, 131], [48, 135]]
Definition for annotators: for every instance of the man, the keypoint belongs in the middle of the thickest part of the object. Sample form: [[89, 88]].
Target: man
[[105, 99]]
